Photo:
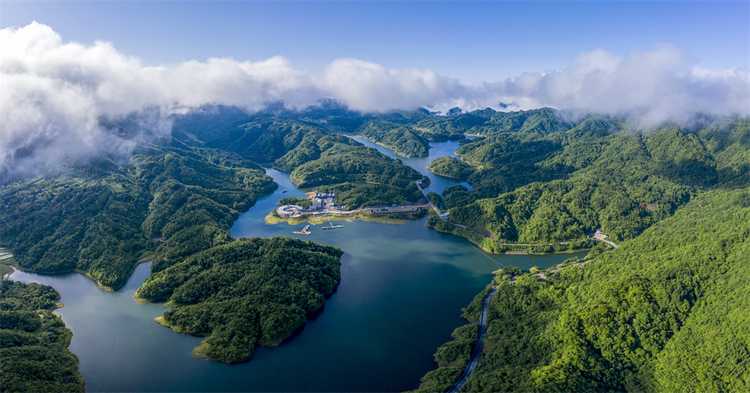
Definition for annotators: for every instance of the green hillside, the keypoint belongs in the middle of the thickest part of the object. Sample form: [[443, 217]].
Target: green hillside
[[316, 157], [34, 355], [450, 167], [404, 141], [165, 203], [667, 311], [566, 185], [247, 293]]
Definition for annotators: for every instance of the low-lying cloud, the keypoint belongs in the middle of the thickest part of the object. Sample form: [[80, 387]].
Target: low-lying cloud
[[55, 93]]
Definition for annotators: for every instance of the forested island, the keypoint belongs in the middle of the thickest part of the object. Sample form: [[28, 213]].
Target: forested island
[[34, 355], [247, 293]]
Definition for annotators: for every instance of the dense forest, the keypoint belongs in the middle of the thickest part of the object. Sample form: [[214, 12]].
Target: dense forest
[[450, 167], [101, 218], [667, 311], [361, 195], [664, 312], [247, 293], [315, 156], [303, 202], [404, 141], [345, 163], [34, 355], [536, 189]]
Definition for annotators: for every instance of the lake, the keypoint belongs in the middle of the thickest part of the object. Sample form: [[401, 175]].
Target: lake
[[401, 293]]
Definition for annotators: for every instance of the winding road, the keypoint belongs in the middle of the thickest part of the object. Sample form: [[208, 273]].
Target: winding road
[[477, 347], [483, 326]]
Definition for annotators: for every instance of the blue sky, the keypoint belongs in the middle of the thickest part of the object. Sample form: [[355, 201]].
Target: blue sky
[[472, 41], [650, 62]]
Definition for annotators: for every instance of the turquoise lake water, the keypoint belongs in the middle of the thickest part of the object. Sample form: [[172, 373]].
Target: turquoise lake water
[[401, 293]]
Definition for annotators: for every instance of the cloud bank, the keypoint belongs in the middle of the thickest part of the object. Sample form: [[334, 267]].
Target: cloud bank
[[54, 93]]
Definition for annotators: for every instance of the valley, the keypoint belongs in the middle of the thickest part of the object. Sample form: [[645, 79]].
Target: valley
[[526, 201]]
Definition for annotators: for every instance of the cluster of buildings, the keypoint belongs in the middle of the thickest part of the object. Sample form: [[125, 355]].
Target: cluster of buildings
[[325, 201], [321, 202]]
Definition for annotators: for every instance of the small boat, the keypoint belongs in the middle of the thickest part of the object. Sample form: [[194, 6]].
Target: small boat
[[304, 231]]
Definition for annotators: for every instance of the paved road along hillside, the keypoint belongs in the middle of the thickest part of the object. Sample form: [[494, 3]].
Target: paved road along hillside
[[478, 347]]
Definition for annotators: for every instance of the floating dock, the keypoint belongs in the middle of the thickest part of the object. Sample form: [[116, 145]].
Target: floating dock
[[331, 226]]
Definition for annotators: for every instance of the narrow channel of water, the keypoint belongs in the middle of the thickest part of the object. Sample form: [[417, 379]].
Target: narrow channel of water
[[401, 293], [439, 149]]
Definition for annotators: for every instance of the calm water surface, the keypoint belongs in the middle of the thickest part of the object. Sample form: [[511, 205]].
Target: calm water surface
[[439, 149], [400, 297]]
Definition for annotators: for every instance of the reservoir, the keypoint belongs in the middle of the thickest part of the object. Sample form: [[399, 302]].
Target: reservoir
[[400, 297], [439, 149]]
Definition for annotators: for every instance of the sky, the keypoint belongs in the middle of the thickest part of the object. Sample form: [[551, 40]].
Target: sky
[[474, 42], [66, 65]]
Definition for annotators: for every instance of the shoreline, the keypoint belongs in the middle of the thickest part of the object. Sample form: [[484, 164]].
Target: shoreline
[[57, 305], [144, 259], [199, 351], [273, 219], [446, 176], [509, 252], [145, 256], [391, 148]]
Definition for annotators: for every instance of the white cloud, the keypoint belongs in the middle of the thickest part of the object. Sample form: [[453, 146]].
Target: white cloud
[[659, 85], [53, 93]]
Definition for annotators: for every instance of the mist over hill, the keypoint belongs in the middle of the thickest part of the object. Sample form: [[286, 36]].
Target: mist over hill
[[56, 93]]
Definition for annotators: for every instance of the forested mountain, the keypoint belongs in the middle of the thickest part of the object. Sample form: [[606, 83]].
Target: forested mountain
[[34, 355], [404, 141], [165, 203], [346, 163], [314, 156], [171, 200], [565, 185], [267, 135], [263, 136], [667, 311], [664, 312], [487, 121], [247, 293]]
